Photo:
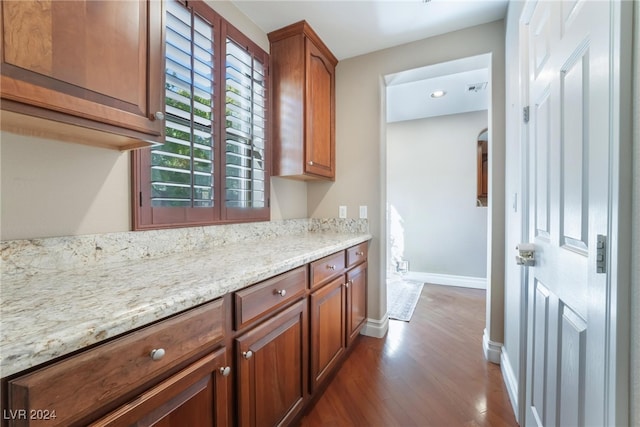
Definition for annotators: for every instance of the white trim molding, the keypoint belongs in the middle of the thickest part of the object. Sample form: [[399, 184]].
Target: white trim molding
[[447, 279], [511, 381], [492, 350], [376, 328]]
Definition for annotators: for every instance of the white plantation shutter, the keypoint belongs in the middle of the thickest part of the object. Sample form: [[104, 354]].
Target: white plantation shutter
[[182, 168], [245, 128], [213, 165]]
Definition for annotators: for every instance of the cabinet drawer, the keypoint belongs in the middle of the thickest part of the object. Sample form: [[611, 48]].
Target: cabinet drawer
[[356, 254], [327, 268], [266, 297], [76, 387]]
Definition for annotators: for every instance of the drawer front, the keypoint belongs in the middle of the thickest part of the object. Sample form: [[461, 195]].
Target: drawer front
[[327, 268], [77, 386], [266, 297], [357, 254]]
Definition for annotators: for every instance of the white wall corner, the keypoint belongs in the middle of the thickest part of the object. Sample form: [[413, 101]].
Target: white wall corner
[[448, 279], [376, 328], [492, 350], [511, 381]]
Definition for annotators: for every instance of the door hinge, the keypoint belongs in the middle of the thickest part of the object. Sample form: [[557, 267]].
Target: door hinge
[[601, 254], [525, 114]]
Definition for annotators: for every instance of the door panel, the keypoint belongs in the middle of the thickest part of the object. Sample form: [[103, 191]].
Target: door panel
[[575, 179], [541, 146], [573, 352], [541, 338], [568, 152]]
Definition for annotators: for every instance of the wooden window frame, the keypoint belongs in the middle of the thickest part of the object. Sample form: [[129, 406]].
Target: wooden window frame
[[147, 217]]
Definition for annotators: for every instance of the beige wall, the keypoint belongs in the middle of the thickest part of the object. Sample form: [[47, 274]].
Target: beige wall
[[432, 185], [360, 147], [51, 188], [635, 252]]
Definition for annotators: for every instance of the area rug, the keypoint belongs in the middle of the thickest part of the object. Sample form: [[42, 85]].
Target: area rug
[[402, 297]]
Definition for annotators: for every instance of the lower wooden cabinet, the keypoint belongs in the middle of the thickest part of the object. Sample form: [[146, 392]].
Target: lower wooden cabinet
[[254, 358], [85, 386], [271, 365], [356, 311], [328, 343], [195, 396], [338, 311]]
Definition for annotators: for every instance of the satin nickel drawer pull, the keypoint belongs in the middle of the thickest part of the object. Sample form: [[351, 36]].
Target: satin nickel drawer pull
[[157, 354]]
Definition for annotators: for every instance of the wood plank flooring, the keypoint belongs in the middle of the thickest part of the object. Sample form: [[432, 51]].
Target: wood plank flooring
[[428, 372]]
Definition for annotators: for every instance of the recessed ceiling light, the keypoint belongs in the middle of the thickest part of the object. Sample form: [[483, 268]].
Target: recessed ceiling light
[[438, 94]]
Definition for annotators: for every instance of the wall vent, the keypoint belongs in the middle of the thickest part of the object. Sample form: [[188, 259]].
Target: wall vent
[[476, 87]]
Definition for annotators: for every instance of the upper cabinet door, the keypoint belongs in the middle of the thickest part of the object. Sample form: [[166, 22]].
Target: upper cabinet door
[[97, 64], [320, 141], [303, 82]]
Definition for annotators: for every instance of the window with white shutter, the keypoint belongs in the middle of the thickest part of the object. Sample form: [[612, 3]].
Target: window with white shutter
[[245, 128], [213, 165]]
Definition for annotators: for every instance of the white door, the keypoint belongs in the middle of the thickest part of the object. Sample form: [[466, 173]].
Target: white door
[[568, 170]]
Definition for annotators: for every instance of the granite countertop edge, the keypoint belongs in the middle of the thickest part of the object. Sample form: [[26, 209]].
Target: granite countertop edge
[[46, 316]]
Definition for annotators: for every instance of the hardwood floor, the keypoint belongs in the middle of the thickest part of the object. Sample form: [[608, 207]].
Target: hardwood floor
[[428, 372]]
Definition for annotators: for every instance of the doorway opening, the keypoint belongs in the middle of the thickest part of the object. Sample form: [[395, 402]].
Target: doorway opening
[[435, 232]]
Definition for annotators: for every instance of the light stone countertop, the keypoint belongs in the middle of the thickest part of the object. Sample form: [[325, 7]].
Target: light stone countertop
[[49, 315]]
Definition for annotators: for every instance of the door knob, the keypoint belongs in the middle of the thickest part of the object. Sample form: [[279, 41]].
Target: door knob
[[526, 254]]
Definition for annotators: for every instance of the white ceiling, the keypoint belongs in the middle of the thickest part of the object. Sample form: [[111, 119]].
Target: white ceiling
[[356, 27], [409, 92]]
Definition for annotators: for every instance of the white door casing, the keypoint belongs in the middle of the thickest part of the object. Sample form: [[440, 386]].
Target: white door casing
[[569, 89]]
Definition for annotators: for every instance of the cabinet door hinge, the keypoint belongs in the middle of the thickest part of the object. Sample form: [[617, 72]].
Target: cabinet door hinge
[[525, 114]]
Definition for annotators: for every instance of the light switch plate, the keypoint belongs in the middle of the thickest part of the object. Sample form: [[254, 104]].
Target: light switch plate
[[363, 212], [342, 212]]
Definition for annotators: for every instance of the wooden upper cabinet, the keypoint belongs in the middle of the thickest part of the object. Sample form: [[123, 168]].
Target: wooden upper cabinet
[[303, 81], [91, 64]]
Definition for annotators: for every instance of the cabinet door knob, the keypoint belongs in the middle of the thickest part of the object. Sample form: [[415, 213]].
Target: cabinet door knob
[[310, 163], [225, 371], [359, 253], [247, 354], [158, 115], [157, 354], [281, 292], [331, 267], [346, 285]]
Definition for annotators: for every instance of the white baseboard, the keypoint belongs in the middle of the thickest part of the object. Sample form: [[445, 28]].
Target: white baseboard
[[510, 380], [447, 279], [492, 350], [376, 328]]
